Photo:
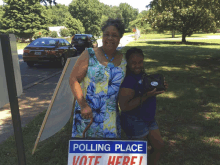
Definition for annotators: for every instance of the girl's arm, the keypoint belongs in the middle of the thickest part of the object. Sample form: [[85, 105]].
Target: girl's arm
[[78, 73], [128, 102]]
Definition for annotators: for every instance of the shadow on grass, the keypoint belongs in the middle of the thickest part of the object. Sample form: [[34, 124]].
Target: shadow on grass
[[180, 36], [177, 43]]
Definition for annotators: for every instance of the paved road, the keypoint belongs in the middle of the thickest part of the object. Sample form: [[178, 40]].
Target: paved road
[[33, 101], [37, 72]]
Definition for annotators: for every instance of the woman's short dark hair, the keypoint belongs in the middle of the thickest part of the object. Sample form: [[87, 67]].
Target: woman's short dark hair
[[116, 23]]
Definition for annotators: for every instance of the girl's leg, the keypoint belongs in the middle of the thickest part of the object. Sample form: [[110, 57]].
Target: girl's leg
[[157, 144]]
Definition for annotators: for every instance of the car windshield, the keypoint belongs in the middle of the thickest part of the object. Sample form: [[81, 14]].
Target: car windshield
[[82, 37], [44, 42]]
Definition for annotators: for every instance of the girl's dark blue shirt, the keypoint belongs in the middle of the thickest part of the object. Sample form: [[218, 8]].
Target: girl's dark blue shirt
[[147, 111]]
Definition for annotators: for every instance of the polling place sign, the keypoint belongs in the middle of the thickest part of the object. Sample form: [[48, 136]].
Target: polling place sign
[[105, 152]]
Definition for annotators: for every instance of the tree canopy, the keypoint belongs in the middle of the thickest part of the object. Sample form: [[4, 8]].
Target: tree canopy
[[74, 25], [185, 16], [57, 14], [128, 13], [1, 14], [45, 2], [140, 20], [89, 12], [111, 11], [23, 18], [48, 1]]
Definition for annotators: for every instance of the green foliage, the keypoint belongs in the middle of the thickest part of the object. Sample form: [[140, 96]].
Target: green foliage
[[23, 18], [140, 23], [57, 14], [1, 11], [110, 12], [74, 26], [37, 35], [53, 34], [128, 13], [40, 33], [64, 32], [48, 1], [185, 16], [89, 12], [1, 14]]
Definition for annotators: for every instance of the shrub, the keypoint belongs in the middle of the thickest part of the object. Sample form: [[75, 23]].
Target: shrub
[[64, 32], [37, 34], [53, 34]]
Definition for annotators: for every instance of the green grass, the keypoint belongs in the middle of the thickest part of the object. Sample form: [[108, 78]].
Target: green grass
[[188, 114], [52, 151], [21, 45]]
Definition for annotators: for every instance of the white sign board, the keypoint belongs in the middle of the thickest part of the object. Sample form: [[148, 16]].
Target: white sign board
[[61, 105], [3, 84], [106, 152]]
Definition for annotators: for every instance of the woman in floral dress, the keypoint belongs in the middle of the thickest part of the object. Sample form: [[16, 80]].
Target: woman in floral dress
[[95, 81]]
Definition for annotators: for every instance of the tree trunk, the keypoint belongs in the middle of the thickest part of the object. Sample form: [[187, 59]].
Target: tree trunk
[[183, 38], [173, 34]]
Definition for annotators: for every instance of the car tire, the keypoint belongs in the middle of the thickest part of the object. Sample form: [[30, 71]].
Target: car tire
[[62, 61], [30, 64]]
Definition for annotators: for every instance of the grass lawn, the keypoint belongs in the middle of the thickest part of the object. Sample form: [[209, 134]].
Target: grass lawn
[[188, 114], [21, 45]]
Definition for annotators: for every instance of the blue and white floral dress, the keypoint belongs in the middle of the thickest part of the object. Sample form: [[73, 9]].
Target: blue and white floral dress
[[101, 87]]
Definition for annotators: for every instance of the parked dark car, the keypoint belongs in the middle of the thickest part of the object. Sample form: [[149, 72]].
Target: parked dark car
[[83, 41], [48, 49]]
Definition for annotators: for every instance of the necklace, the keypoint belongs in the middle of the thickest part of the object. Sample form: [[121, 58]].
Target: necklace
[[107, 56]]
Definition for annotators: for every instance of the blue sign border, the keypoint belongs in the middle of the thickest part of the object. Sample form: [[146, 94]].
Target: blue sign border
[[106, 146]]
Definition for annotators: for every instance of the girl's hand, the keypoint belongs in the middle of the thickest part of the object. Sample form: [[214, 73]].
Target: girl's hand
[[153, 93], [86, 112]]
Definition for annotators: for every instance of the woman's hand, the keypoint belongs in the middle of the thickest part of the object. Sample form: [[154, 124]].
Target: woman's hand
[[86, 112]]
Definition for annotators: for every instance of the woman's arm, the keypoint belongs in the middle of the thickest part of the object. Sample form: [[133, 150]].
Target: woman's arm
[[78, 73], [128, 102]]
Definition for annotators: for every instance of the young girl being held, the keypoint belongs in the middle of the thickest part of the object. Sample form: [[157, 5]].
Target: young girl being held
[[138, 110]]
